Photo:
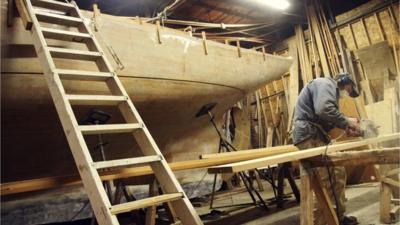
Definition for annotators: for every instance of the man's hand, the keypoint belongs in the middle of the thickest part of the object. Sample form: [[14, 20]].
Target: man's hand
[[353, 127]]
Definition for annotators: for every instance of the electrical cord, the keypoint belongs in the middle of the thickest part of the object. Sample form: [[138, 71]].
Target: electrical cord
[[326, 158]]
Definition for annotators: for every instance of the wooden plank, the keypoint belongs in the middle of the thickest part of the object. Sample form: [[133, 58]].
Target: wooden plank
[[318, 40], [158, 31], [394, 183], [306, 201], [54, 5], [252, 153], [293, 83], [306, 70], [126, 162], [83, 75], [53, 18], [238, 49], [73, 54], [360, 157], [55, 182], [25, 17], [203, 36], [294, 156], [143, 203], [151, 211], [365, 31], [65, 35], [367, 91], [95, 99], [11, 13], [109, 128], [384, 202], [323, 200]]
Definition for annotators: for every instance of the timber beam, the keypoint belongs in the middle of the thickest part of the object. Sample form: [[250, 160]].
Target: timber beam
[[359, 157], [294, 156], [206, 161]]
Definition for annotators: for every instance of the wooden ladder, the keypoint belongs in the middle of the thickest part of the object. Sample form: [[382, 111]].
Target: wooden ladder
[[68, 15]]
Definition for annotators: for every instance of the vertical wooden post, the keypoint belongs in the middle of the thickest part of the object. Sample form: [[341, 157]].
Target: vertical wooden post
[[10, 13], [190, 31], [96, 16], [23, 12], [263, 52], [151, 211], [365, 30], [323, 200], [352, 35], [203, 35], [238, 48], [139, 20], [385, 197], [306, 201], [158, 31], [378, 21]]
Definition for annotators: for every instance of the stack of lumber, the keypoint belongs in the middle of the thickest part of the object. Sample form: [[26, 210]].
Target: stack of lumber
[[324, 45]]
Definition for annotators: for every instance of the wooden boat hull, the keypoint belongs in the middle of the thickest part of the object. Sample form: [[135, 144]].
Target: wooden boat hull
[[168, 82]]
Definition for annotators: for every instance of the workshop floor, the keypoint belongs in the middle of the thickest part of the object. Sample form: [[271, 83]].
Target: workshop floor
[[363, 202]]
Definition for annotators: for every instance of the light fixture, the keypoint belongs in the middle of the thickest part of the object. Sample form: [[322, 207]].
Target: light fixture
[[278, 4]]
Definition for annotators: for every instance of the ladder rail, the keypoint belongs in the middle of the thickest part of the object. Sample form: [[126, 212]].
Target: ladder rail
[[131, 114], [98, 198]]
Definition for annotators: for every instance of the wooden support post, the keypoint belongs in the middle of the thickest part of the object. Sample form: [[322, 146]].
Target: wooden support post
[[23, 12], [203, 35], [158, 31], [263, 52], [151, 211], [139, 20], [10, 12], [238, 48], [323, 199], [96, 16], [306, 201], [367, 91], [365, 30], [378, 22], [352, 35], [385, 196]]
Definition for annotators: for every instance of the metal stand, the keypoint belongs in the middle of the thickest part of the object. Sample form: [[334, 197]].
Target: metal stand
[[226, 146], [98, 117], [284, 171]]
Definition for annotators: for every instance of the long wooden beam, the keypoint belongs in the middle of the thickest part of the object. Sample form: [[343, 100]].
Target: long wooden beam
[[294, 156], [252, 153], [360, 157], [207, 161]]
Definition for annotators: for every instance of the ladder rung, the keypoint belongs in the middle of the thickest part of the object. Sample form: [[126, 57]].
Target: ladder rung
[[109, 128], [95, 99], [126, 162], [65, 35], [57, 19], [144, 203], [54, 5], [66, 53], [83, 75]]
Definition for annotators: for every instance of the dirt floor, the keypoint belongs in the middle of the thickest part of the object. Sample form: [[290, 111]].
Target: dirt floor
[[363, 203]]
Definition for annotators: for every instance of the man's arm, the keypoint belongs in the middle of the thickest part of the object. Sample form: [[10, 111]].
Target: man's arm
[[326, 106]]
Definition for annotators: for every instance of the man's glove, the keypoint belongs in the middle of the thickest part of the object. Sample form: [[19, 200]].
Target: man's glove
[[353, 127]]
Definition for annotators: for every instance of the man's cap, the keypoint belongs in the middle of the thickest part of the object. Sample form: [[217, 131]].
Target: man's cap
[[345, 79]]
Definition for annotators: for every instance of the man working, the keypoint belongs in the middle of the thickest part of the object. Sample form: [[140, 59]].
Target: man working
[[316, 113]]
